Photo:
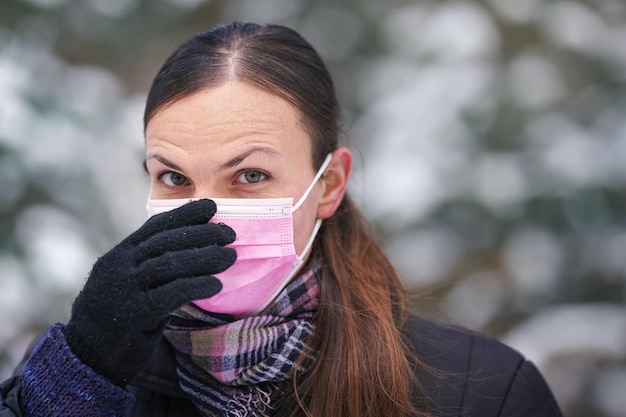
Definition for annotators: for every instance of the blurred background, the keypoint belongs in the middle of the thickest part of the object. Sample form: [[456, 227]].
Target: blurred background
[[491, 155]]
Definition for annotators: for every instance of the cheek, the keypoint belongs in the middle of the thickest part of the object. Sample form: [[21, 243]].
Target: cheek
[[154, 192]]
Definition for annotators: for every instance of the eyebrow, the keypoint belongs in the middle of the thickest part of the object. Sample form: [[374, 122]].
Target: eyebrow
[[233, 162], [241, 157], [164, 161]]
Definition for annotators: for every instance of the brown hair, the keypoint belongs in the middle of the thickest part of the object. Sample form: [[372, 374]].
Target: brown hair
[[363, 367]]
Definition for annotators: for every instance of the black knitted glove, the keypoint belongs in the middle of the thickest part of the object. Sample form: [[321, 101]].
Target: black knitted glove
[[120, 313]]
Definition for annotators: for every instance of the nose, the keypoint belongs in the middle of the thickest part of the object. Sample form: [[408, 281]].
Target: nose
[[204, 194], [209, 190]]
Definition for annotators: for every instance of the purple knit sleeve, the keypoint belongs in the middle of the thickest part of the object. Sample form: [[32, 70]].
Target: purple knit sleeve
[[57, 383]]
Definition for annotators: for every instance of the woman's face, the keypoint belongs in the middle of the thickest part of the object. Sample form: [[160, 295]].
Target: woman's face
[[233, 141]]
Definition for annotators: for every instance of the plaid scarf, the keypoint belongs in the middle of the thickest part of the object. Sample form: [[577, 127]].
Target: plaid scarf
[[232, 367]]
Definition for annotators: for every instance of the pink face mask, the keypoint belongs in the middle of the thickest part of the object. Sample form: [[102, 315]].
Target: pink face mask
[[266, 255]]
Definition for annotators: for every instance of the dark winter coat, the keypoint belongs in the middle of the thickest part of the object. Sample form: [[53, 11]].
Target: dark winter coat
[[476, 377]]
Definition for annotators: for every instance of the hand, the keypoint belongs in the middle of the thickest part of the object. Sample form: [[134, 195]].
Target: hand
[[120, 313]]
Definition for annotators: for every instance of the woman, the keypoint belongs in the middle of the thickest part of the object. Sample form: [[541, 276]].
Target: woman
[[256, 287]]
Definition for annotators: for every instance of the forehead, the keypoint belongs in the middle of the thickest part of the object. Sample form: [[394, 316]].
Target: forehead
[[232, 114]]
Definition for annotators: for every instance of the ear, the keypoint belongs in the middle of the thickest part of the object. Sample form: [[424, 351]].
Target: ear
[[335, 182]]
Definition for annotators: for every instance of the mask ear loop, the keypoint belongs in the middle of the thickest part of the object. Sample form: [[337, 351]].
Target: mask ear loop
[[307, 248], [319, 173], [318, 222]]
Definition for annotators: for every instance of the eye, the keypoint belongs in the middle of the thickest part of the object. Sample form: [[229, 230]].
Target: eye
[[173, 179], [251, 176]]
